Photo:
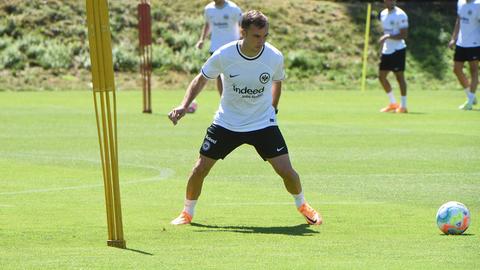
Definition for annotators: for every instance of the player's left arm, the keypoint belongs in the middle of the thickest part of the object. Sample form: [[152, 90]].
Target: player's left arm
[[403, 34], [276, 93]]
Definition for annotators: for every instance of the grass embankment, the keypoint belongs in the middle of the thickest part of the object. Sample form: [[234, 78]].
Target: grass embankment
[[43, 44]]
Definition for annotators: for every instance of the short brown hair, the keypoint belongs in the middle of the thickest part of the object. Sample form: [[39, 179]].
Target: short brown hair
[[254, 17]]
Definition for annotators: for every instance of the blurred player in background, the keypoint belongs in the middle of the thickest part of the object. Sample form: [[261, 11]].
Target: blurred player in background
[[395, 27], [222, 19], [466, 38]]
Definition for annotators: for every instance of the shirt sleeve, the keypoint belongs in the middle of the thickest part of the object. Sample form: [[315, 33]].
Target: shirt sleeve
[[205, 15], [212, 68], [403, 21], [279, 72], [239, 12]]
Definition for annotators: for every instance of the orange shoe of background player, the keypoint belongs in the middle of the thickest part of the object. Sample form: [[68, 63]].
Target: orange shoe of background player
[[182, 219], [392, 107], [312, 217], [401, 110]]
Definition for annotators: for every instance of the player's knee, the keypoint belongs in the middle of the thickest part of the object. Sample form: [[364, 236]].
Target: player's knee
[[287, 172], [201, 169], [457, 70]]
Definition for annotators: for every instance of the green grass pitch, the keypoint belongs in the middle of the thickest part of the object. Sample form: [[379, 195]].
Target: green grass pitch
[[378, 180]]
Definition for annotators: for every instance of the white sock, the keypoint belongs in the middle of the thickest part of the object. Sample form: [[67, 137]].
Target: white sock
[[467, 91], [299, 199], [391, 97], [403, 102], [471, 97], [190, 206]]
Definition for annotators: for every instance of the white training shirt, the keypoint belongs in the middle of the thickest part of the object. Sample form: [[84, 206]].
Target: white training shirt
[[246, 102], [469, 15], [392, 22], [223, 23]]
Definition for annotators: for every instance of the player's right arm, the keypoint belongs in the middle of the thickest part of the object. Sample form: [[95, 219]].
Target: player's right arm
[[456, 29], [196, 85], [205, 31]]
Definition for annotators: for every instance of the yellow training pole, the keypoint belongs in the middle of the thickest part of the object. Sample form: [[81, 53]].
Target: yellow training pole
[[106, 113], [365, 47]]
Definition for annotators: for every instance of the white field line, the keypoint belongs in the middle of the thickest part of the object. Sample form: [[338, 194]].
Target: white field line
[[163, 173]]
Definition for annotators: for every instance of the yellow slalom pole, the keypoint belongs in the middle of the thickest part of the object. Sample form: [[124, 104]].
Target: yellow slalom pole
[[365, 47], [104, 99]]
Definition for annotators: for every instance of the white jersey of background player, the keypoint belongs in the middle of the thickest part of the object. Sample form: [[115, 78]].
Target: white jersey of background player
[[222, 19]]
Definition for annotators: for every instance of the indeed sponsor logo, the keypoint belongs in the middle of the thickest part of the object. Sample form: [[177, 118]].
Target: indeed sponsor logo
[[248, 91]]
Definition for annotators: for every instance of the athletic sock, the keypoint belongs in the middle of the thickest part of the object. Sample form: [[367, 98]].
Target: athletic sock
[[403, 102], [471, 97], [391, 97], [467, 91], [190, 206], [299, 199]]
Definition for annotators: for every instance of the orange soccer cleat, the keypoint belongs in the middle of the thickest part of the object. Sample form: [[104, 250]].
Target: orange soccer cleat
[[312, 217], [183, 218], [392, 107], [401, 110]]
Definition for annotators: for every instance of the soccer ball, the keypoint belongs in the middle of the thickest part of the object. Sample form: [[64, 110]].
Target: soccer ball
[[453, 218], [193, 107]]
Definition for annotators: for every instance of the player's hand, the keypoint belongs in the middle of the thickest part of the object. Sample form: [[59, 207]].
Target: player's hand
[[451, 44], [199, 44], [176, 114]]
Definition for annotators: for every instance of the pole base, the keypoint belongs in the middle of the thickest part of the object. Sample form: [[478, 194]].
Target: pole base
[[147, 111], [117, 243]]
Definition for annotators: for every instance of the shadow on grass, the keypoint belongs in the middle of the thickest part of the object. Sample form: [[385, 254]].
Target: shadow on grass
[[298, 230], [458, 235], [139, 251]]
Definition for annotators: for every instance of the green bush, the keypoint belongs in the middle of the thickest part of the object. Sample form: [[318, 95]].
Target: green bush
[[125, 58], [162, 57], [10, 58], [55, 56]]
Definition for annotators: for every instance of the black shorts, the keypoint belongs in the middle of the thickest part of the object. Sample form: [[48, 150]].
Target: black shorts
[[219, 142], [463, 54], [393, 62]]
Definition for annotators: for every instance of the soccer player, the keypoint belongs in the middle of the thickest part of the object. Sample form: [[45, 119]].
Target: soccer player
[[253, 73], [395, 26], [222, 18], [466, 37]]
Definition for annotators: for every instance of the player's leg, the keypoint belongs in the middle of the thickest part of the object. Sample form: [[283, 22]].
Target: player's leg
[[194, 188], [271, 146], [382, 77], [462, 78], [284, 169], [461, 56], [217, 144], [403, 91], [199, 172], [458, 71], [291, 180], [473, 81]]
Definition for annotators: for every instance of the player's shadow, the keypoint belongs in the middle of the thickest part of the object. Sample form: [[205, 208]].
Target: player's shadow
[[297, 230]]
